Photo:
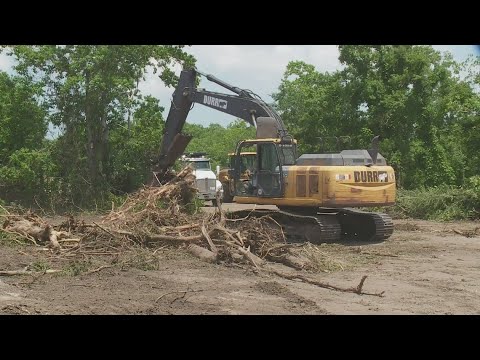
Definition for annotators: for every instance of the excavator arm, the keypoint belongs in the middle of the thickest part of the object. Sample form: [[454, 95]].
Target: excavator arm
[[244, 105]]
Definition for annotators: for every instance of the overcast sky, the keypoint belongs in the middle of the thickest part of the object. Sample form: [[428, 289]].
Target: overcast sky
[[255, 67], [258, 68]]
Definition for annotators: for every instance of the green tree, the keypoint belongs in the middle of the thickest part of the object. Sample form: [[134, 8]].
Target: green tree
[[134, 149], [26, 168], [468, 129], [22, 120], [217, 141], [91, 88], [415, 98], [29, 176], [314, 106]]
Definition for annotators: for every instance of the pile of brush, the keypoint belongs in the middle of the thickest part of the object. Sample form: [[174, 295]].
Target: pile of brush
[[163, 214]]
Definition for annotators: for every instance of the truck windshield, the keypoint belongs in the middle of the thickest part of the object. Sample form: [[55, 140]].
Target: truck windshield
[[201, 165]]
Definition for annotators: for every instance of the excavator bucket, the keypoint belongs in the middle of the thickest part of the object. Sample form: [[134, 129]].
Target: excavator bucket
[[161, 173], [176, 149]]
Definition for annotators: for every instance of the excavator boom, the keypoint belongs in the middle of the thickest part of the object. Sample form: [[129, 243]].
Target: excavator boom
[[244, 105]]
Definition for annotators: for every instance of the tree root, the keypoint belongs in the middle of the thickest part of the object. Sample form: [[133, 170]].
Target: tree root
[[356, 290]]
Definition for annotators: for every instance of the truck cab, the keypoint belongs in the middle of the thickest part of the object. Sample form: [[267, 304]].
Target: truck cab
[[209, 188]]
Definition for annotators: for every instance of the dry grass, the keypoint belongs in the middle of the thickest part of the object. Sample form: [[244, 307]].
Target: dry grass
[[321, 260]]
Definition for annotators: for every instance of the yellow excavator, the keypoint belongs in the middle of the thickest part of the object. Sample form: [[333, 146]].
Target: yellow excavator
[[247, 164], [318, 195]]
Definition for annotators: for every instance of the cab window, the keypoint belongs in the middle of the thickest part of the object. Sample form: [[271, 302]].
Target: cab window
[[268, 157]]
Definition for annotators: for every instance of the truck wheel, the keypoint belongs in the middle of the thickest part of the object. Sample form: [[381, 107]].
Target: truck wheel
[[227, 197]]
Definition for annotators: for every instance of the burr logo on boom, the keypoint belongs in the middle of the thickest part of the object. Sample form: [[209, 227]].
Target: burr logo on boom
[[210, 100]]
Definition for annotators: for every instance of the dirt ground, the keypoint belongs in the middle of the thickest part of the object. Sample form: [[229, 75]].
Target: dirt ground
[[424, 268]]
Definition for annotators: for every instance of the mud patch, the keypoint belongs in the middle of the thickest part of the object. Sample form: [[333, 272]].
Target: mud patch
[[407, 226], [8, 293], [277, 289], [16, 309]]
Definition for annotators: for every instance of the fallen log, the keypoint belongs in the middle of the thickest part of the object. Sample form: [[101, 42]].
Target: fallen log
[[292, 261], [27, 272], [31, 230], [26, 227], [202, 253], [252, 258], [356, 290], [159, 237]]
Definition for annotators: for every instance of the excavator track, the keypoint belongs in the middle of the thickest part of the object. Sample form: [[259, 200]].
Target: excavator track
[[365, 226], [326, 225], [300, 227]]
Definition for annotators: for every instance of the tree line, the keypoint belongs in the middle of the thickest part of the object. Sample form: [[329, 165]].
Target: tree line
[[423, 104]]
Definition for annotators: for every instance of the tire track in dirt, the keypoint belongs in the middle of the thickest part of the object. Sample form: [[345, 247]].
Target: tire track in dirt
[[295, 301]]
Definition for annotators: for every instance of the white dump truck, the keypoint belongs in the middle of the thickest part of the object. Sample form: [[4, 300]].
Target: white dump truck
[[209, 187]]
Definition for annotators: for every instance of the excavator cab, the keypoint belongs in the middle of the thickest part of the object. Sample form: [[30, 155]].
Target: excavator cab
[[273, 156]]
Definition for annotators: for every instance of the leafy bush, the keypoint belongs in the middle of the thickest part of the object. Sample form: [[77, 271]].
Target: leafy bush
[[29, 175], [441, 202]]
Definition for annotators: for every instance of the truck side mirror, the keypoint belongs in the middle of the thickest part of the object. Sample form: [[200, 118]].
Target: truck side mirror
[[218, 170]]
